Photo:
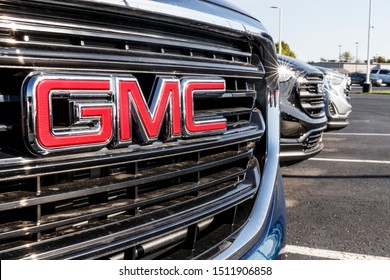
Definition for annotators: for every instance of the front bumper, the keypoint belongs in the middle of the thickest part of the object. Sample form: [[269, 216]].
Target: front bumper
[[301, 136], [338, 109], [293, 150], [338, 113]]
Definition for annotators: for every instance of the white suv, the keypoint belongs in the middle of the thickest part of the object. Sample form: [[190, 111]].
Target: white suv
[[382, 74]]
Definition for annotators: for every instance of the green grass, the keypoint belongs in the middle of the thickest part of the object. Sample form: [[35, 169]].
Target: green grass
[[374, 92], [381, 92]]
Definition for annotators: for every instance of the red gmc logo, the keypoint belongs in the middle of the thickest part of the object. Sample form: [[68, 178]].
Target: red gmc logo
[[70, 112]]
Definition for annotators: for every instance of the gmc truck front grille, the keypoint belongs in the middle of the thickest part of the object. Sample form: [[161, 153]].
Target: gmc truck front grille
[[311, 96], [135, 200], [177, 199]]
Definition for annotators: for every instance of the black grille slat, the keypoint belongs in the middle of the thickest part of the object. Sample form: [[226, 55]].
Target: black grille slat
[[14, 168], [21, 228], [221, 112], [47, 33], [235, 106], [113, 45], [55, 43], [154, 220], [81, 190]]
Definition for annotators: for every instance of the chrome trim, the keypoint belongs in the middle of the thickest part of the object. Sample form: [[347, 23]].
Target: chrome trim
[[29, 109], [302, 138], [295, 156], [255, 226], [113, 97], [184, 84], [296, 113], [155, 97], [185, 13], [167, 10]]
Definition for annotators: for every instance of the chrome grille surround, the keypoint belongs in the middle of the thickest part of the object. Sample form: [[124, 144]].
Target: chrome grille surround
[[312, 96]]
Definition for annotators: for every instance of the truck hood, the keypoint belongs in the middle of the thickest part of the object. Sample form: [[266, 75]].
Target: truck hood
[[298, 65], [217, 12]]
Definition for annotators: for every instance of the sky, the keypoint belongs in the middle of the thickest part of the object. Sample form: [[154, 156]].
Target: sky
[[315, 29]]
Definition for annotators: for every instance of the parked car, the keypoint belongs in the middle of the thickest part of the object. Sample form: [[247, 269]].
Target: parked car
[[357, 78], [337, 100], [302, 105], [360, 79], [138, 130], [381, 74]]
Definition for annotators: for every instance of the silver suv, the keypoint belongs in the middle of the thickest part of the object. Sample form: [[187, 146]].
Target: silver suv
[[382, 74], [338, 105]]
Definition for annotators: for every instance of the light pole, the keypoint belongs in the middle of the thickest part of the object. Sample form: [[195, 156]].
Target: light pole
[[340, 57], [356, 59], [340, 53], [367, 87], [280, 26]]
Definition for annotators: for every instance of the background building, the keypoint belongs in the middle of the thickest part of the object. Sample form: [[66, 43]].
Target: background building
[[351, 67]]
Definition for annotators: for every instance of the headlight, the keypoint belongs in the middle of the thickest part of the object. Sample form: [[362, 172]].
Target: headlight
[[331, 84], [285, 73], [334, 80]]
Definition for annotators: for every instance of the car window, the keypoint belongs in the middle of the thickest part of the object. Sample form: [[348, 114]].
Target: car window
[[386, 72]]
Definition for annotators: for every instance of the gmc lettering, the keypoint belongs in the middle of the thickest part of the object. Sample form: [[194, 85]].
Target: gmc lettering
[[103, 110]]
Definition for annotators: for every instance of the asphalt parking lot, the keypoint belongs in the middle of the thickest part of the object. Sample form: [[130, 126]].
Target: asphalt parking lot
[[356, 88], [338, 203]]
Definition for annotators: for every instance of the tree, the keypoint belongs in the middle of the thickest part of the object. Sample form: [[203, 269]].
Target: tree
[[346, 56], [285, 49], [380, 59]]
